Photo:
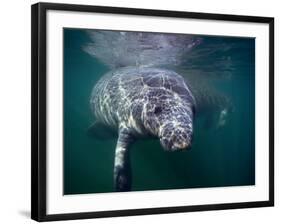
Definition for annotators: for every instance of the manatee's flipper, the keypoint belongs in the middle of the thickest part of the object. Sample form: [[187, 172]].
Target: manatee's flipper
[[101, 131], [122, 167], [223, 117]]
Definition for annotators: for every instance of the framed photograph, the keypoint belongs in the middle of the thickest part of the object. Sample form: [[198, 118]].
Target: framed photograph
[[138, 111]]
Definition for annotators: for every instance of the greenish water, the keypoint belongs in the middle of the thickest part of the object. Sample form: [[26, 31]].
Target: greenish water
[[219, 157]]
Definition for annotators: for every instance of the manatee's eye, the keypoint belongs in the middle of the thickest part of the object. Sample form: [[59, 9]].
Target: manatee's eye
[[157, 110]]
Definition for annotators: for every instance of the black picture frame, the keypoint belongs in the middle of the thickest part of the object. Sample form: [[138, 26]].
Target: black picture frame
[[38, 108]]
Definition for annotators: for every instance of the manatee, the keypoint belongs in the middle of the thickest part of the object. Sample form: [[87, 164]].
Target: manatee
[[153, 90], [134, 103]]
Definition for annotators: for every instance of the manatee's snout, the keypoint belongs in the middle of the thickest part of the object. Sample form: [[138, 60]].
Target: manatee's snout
[[172, 145], [176, 139]]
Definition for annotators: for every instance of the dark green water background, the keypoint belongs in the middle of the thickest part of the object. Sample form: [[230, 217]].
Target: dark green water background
[[219, 157]]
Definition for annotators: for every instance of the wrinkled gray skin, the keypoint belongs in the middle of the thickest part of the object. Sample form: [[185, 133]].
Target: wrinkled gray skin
[[143, 102]]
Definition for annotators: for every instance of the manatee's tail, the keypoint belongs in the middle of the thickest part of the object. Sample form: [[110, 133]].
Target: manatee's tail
[[119, 49]]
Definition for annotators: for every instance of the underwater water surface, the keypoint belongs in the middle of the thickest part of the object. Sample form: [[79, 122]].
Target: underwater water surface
[[220, 156]]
